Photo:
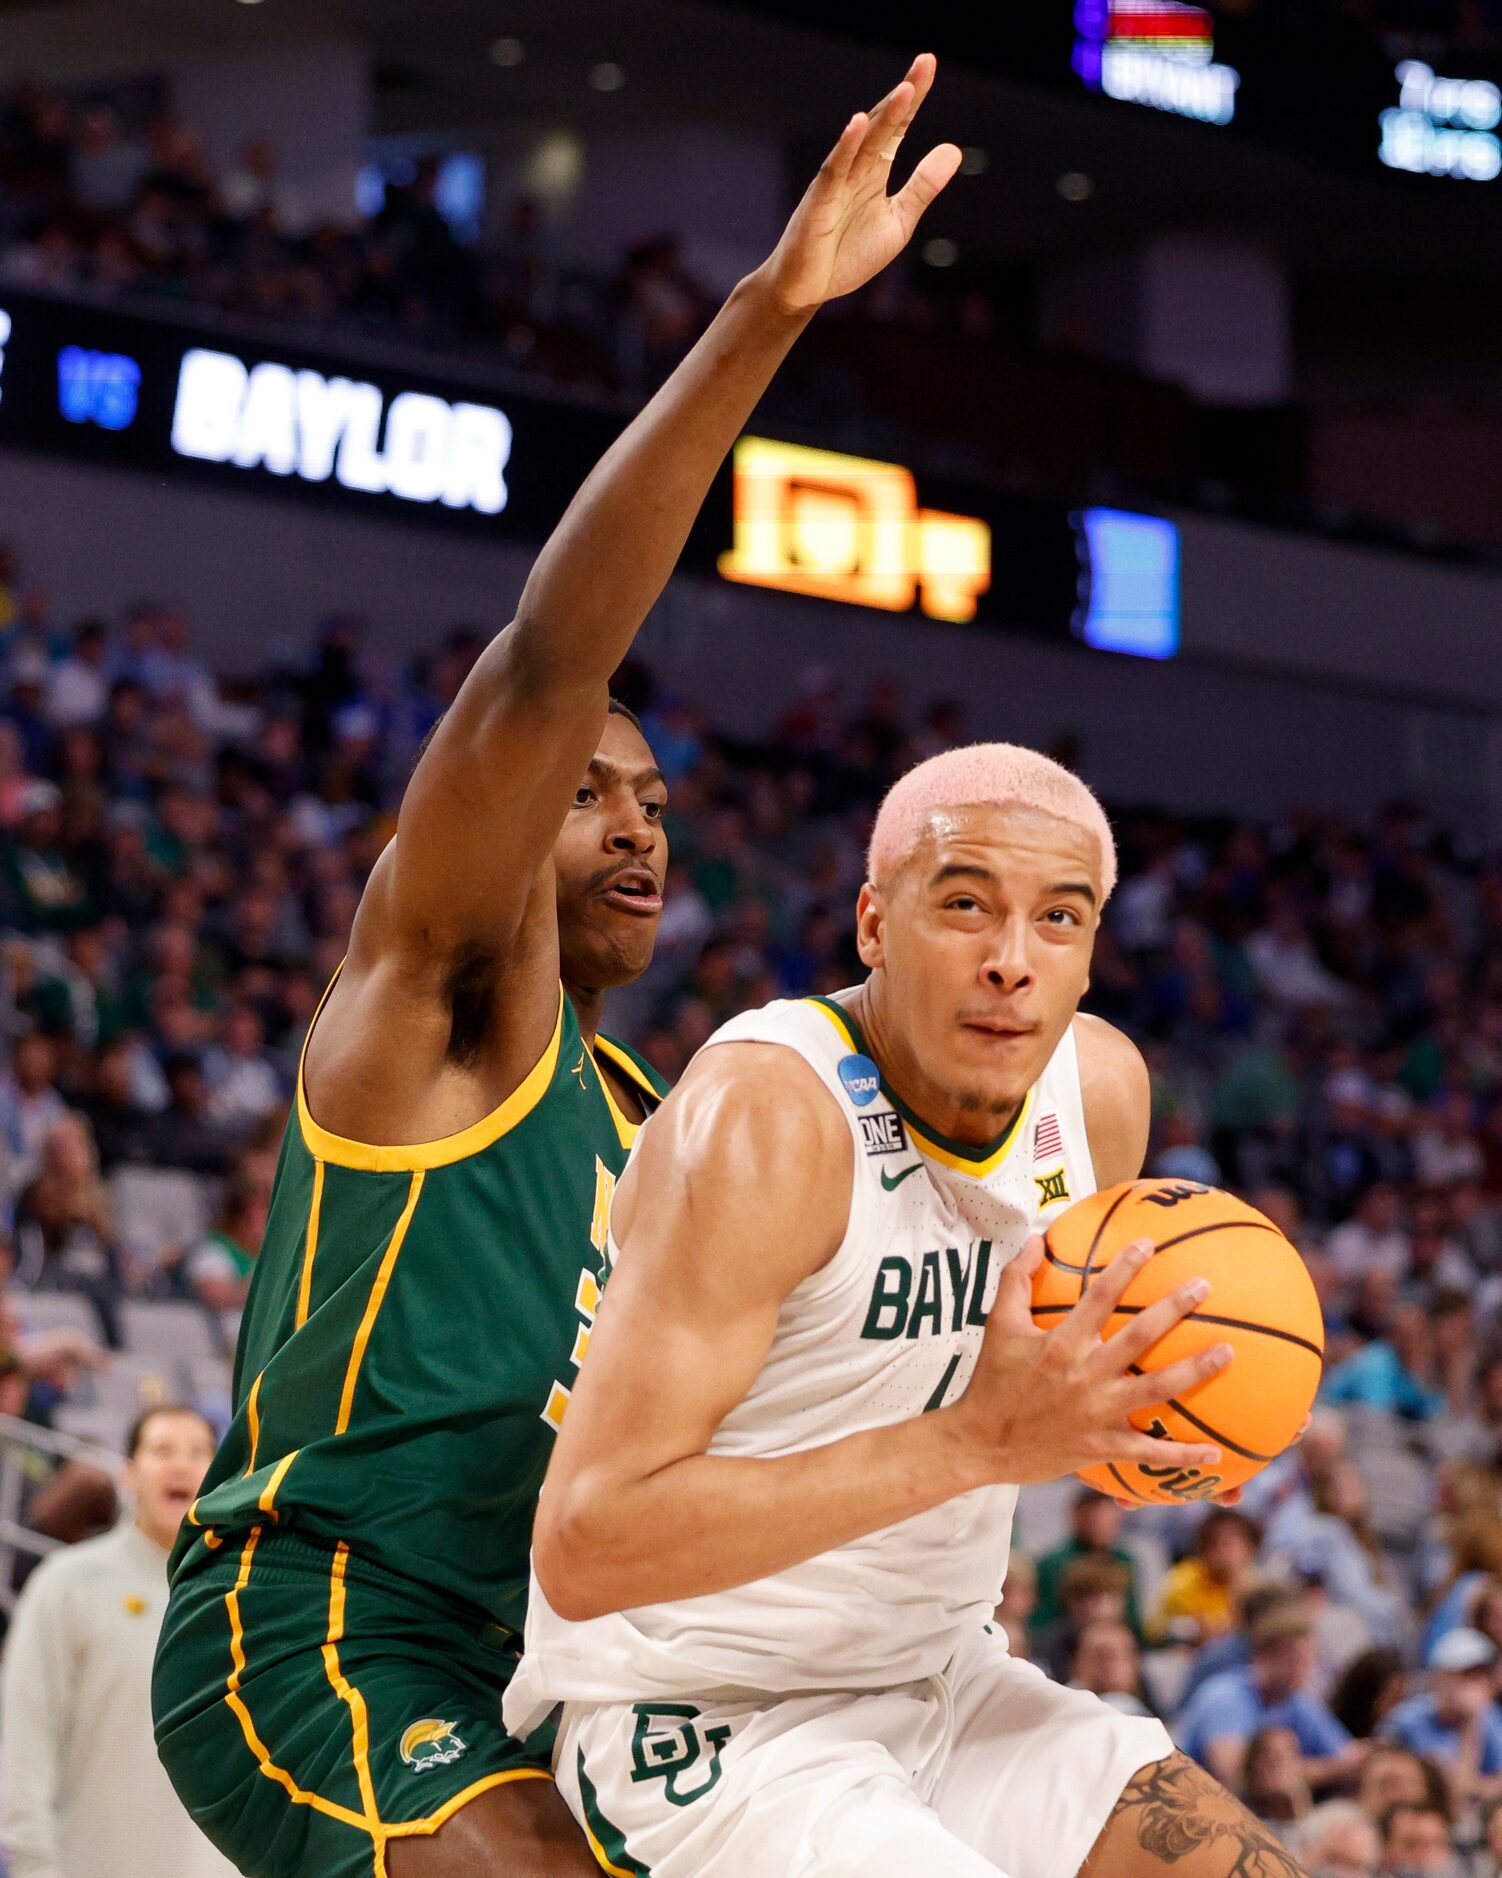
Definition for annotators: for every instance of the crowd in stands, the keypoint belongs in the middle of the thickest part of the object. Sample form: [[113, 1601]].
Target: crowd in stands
[[90, 202], [1320, 1004]]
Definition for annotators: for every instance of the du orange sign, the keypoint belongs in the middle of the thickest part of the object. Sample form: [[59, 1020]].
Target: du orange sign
[[850, 528]]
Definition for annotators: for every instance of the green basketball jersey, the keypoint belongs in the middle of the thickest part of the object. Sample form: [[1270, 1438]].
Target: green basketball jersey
[[415, 1321]]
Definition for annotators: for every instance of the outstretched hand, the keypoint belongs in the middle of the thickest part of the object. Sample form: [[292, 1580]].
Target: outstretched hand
[[847, 228]]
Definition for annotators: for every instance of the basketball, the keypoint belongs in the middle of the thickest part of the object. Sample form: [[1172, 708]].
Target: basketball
[[1262, 1303]]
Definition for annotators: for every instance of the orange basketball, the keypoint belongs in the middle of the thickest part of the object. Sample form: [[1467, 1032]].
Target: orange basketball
[[1262, 1303]]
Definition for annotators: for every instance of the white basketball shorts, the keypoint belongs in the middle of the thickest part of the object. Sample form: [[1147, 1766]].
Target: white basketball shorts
[[987, 1769]]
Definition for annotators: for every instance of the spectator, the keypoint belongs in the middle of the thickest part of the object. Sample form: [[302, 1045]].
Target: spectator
[[120, 1120], [1416, 1842], [243, 1087], [1272, 1692], [31, 1105], [1372, 1238], [1093, 1589], [1337, 1840], [185, 1133], [1489, 1859], [1392, 1776], [1456, 1721], [1338, 1549], [64, 1228], [1369, 1688], [1107, 1660], [1198, 1598], [81, 1771], [218, 1269], [1273, 1783], [78, 686], [1393, 1374], [1095, 1529]]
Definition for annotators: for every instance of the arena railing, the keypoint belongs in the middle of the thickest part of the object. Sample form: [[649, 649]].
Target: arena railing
[[22, 1446]]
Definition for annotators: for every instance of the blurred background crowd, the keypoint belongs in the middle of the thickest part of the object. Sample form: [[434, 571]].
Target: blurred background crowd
[[1320, 1002]]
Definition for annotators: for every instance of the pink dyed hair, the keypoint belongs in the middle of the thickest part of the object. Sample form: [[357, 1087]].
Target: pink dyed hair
[[1000, 773]]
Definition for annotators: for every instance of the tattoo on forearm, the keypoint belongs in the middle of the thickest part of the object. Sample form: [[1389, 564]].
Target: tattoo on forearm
[[1178, 1810]]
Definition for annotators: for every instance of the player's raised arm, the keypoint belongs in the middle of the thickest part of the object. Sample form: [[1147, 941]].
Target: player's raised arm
[[739, 1192], [484, 807]]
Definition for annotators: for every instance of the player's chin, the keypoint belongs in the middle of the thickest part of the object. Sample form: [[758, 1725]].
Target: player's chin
[[1000, 1069], [621, 949]]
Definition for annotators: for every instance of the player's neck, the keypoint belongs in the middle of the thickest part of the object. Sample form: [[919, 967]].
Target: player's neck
[[589, 1008], [929, 1104]]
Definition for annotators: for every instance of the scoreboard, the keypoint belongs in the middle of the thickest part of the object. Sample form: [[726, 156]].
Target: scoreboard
[[194, 406]]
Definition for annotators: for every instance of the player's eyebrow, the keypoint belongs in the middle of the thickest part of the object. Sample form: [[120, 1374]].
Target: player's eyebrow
[[1081, 887], [962, 870], [609, 772]]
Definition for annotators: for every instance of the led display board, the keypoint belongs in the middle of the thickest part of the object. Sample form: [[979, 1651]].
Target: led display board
[[1160, 53], [850, 528], [275, 420], [1442, 126]]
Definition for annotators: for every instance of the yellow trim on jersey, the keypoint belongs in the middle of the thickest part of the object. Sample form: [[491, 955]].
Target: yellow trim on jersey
[[602, 1857], [924, 1143], [977, 1170], [422, 1156], [253, 1419], [626, 1130], [839, 1023], [347, 1694], [407, 1828], [368, 1821], [310, 1248], [273, 1487], [377, 1297], [298, 1795], [628, 1066]]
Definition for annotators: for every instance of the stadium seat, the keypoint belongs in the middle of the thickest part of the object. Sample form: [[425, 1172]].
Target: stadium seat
[[169, 1333], [159, 1210], [102, 1427], [57, 1310], [133, 1383], [210, 1384]]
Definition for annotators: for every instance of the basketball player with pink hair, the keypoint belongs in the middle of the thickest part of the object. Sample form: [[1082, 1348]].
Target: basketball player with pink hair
[[775, 1528]]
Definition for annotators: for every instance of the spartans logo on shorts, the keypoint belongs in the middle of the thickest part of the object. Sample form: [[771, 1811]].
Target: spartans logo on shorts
[[430, 1744], [669, 1746]]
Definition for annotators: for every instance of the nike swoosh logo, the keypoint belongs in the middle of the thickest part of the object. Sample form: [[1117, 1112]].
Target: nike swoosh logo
[[889, 1181]]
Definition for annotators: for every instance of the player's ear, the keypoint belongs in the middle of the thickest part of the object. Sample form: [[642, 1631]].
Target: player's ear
[[869, 921]]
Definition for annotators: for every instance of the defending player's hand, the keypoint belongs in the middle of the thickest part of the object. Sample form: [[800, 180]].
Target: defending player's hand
[[847, 228], [1049, 1402]]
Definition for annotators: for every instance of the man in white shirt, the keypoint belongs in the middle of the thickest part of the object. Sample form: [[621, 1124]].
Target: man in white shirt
[[83, 1790]]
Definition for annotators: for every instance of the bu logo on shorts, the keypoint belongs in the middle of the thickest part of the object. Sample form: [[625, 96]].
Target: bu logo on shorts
[[430, 1743], [668, 1746]]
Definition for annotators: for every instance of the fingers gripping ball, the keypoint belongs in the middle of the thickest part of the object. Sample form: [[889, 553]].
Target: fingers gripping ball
[[1262, 1302]]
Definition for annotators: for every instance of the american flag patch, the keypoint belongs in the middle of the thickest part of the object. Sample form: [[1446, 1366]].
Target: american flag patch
[[1048, 1141]]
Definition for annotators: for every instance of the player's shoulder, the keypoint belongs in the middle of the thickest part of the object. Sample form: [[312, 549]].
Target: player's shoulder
[[1117, 1098], [814, 1026], [1105, 1053], [751, 1090]]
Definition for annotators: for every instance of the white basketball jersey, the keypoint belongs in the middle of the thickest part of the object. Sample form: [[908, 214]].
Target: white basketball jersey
[[889, 1328]]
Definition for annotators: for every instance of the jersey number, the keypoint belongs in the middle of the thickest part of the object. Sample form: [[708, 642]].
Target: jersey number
[[587, 1297]]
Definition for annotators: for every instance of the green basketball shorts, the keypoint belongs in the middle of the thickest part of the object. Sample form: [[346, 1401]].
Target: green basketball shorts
[[311, 1707]]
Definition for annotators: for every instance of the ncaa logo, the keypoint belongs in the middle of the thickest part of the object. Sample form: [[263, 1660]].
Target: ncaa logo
[[430, 1743], [862, 1079]]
